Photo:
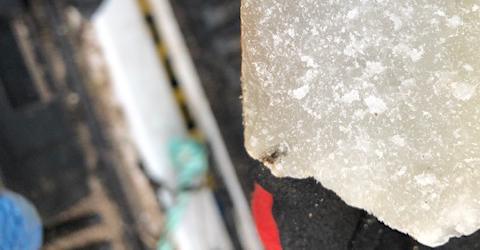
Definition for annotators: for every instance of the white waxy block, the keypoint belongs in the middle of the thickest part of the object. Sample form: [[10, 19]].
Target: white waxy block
[[376, 99]]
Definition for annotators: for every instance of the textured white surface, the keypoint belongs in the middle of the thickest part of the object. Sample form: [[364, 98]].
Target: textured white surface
[[376, 99]]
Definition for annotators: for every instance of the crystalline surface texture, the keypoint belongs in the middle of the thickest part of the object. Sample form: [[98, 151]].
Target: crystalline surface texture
[[376, 99]]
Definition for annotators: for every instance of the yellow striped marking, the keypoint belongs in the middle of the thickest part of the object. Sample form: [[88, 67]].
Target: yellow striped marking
[[177, 91]]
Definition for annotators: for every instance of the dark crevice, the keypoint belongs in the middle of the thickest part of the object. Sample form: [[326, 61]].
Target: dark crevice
[[71, 226], [15, 78], [101, 245]]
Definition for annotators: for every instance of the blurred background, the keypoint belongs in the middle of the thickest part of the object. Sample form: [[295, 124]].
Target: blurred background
[[121, 121], [108, 122]]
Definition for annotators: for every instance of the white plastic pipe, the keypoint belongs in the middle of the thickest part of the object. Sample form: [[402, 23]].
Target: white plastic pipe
[[197, 102], [146, 97]]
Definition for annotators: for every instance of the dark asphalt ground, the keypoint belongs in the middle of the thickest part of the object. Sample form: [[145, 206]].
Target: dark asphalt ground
[[308, 215]]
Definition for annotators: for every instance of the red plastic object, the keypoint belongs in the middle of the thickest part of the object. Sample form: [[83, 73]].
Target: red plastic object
[[262, 203]]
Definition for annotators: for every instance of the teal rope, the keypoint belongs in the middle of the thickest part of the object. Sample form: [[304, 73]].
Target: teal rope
[[190, 161]]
